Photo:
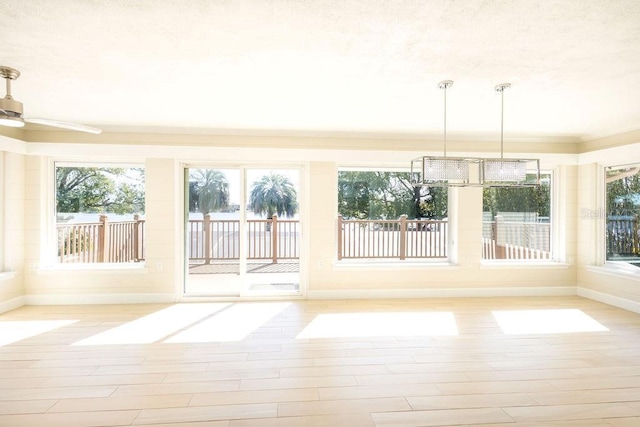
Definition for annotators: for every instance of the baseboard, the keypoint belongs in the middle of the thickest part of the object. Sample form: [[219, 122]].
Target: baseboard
[[81, 299], [443, 293], [615, 301], [11, 304]]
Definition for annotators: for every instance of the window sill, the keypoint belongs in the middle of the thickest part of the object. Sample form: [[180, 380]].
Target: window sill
[[489, 265], [392, 265], [7, 275], [138, 268], [616, 269]]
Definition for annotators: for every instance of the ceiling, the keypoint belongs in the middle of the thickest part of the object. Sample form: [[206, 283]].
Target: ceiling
[[369, 67]]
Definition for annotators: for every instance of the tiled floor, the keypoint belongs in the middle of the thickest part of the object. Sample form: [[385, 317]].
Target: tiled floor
[[486, 361]]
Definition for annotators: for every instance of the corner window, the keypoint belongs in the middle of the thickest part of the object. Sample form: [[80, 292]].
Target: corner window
[[381, 215], [623, 213], [516, 222], [99, 213]]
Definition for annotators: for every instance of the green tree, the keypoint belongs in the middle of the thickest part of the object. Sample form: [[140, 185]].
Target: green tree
[[211, 190], [623, 192], [273, 194], [387, 195], [518, 199], [100, 190]]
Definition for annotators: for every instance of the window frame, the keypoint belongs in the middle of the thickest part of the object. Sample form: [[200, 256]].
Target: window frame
[[557, 243], [620, 266], [49, 250], [393, 261]]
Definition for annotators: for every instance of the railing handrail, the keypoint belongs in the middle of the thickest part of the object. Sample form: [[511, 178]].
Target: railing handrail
[[388, 238]]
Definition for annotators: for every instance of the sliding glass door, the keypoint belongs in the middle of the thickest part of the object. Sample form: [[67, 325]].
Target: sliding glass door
[[242, 231]]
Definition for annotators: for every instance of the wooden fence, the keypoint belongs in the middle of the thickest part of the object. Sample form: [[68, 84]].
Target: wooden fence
[[401, 238]]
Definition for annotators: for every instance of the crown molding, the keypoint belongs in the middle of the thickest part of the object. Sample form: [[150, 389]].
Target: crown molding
[[610, 141]]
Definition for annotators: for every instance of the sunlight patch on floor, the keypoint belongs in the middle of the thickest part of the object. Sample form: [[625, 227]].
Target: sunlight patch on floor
[[232, 324], [13, 331], [412, 324], [557, 321], [155, 326]]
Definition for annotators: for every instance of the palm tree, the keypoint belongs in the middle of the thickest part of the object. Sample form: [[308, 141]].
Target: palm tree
[[273, 194], [212, 190]]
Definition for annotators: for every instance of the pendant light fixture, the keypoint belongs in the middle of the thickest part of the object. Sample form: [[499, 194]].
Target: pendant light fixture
[[444, 171], [508, 172]]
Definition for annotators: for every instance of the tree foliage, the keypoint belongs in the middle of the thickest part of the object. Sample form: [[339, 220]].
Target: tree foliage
[[100, 190], [273, 194], [623, 195], [387, 195], [209, 191], [519, 199]]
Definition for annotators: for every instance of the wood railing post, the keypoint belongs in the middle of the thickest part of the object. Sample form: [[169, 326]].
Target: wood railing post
[[274, 239], [636, 236], [340, 236], [206, 228], [103, 239], [136, 239], [403, 236], [501, 249]]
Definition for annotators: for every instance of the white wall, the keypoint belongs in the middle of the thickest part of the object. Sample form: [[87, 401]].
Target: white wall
[[13, 233], [595, 279], [160, 278]]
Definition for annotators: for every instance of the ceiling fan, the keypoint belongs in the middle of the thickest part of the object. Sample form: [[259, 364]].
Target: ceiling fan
[[11, 110]]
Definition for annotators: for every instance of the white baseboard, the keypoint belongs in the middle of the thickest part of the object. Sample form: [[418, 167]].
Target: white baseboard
[[615, 301], [81, 299], [443, 293], [11, 304]]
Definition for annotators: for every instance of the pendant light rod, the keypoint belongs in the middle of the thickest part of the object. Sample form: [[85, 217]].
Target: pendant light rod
[[501, 88], [445, 84]]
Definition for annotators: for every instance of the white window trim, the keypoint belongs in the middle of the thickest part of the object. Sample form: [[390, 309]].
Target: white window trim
[[611, 267], [393, 263], [557, 238], [48, 261]]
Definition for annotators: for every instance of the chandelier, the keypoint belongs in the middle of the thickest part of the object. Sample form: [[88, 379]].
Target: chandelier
[[444, 171], [501, 172]]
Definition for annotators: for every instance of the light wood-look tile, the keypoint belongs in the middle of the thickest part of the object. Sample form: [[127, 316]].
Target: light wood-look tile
[[347, 420], [119, 403], [270, 378], [74, 419], [343, 406], [207, 413], [571, 412], [441, 418]]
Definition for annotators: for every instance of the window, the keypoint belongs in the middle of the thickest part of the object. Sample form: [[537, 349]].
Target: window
[[623, 211], [516, 222], [382, 216], [99, 213]]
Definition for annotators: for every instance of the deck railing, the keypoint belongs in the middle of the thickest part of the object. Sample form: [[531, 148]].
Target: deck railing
[[623, 236], [266, 239], [101, 242], [516, 240], [402, 238], [209, 240]]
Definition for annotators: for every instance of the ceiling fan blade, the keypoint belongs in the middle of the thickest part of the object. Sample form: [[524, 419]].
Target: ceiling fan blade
[[64, 125]]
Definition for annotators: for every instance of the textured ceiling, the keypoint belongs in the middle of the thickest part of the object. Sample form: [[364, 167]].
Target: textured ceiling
[[328, 66]]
